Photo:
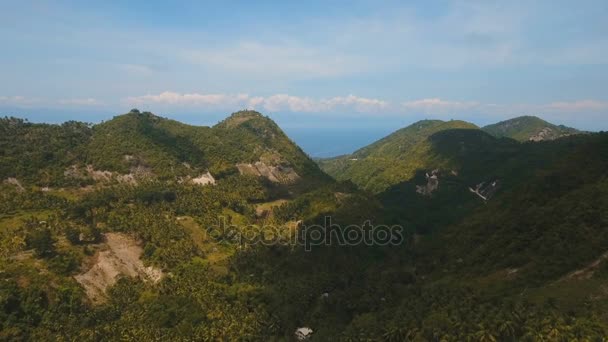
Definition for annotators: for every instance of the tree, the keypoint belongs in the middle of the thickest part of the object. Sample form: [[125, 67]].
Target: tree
[[41, 240]]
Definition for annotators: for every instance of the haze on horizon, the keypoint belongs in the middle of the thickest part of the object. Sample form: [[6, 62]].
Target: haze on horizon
[[320, 69]]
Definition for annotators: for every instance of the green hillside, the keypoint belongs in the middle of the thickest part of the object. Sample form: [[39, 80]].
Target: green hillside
[[392, 159], [145, 145], [499, 240], [529, 128], [526, 264], [40, 152]]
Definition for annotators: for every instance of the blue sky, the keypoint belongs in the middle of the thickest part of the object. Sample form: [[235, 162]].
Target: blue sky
[[308, 64]]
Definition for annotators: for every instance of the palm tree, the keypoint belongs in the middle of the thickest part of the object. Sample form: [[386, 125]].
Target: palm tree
[[484, 334], [507, 329], [396, 334]]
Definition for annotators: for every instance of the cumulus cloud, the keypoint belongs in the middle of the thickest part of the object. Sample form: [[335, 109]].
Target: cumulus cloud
[[273, 103], [432, 106]]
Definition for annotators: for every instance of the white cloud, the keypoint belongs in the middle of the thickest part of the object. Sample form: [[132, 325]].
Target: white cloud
[[38, 102], [284, 102], [273, 103], [577, 106], [303, 104], [193, 99], [559, 111], [80, 102], [361, 104], [18, 100], [431, 105]]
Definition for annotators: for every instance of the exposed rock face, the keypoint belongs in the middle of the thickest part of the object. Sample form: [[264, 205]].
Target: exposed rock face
[[204, 179], [545, 134], [432, 184], [128, 178], [119, 256], [141, 171], [587, 271], [15, 182], [277, 174], [73, 172], [136, 172], [485, 190], [98, 175], [303, 334], [76, 172]]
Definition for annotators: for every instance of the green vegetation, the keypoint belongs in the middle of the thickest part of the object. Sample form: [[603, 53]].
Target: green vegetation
[[392, 159], [398, 156], [143, 145], [40, 153], [528, 263], [525, 128]]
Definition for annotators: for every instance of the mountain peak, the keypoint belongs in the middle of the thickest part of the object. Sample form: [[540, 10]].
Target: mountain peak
[[528, 128], [238, 118], [394, 158]]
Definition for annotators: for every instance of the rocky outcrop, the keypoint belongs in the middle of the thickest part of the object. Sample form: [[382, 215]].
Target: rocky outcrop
[[303, 333], [204, 179], [135, 173], [15, 182], [432, 184], [544, 134], [485, 190], [278, 174], [118, 256]]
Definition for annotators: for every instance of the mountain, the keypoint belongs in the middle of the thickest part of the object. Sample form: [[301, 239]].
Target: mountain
[[392, 159], [143, 145], [509, 243], [146, 228], [529, 128], [396, 157]]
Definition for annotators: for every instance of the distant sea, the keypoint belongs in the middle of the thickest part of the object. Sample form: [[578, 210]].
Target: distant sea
[[331, 142]]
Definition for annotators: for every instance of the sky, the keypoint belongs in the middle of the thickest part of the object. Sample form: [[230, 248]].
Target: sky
[[334, 74]]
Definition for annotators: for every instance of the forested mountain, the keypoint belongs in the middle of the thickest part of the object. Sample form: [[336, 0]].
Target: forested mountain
[[396, 157], [142, 145], [144, 228], [529, 128], [392, 159]]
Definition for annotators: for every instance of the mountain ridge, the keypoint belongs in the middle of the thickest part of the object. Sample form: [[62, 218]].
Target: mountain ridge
[[529, 128], [391, 159], [162, 147], [385, 162], [494, 239]]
